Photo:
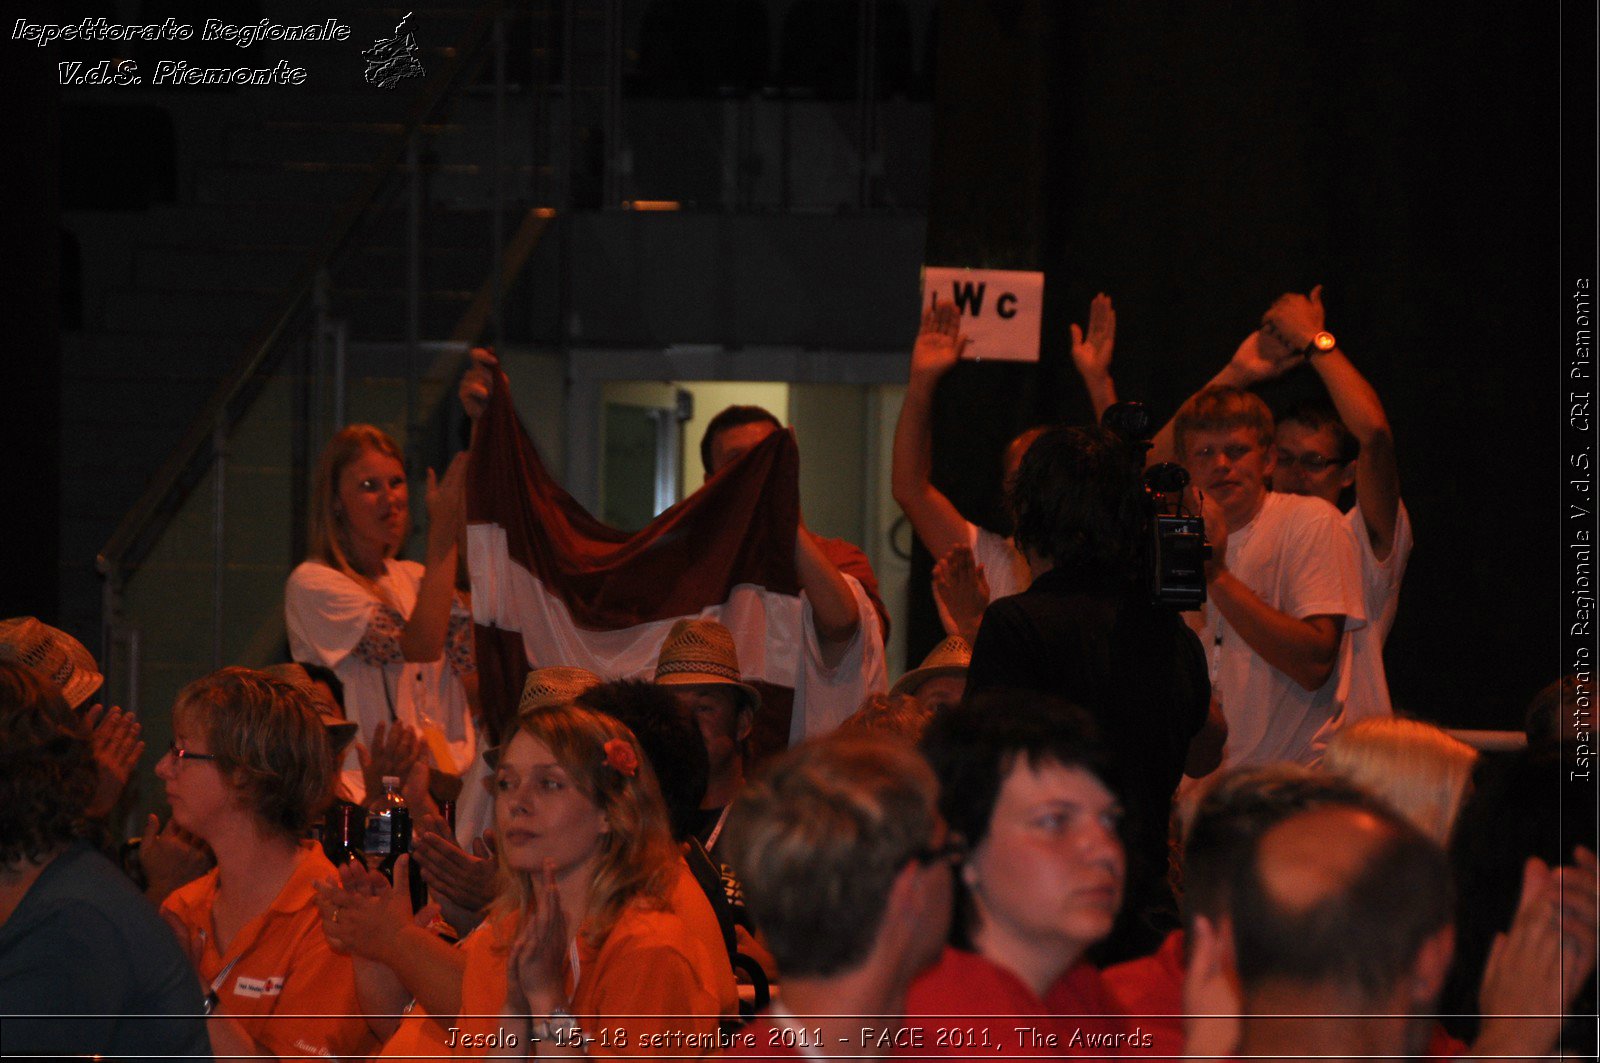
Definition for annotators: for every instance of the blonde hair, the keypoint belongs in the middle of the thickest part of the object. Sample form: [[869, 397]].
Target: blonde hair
[[327, 537], [268, 739], [1222, 409], [638, 860], [1414, 766]]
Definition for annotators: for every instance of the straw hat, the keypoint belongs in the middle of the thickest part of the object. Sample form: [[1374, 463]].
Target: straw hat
[[51, 654], [340, 730], [950, 657], [561, 685], [546, 688], [701, 653]]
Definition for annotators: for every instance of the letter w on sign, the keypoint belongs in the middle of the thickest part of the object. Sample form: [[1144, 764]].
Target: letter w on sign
[[1000, 309]]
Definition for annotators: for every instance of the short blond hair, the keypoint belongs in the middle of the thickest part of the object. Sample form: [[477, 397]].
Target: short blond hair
[[1414, 766], [268, 739], [1222, 409]]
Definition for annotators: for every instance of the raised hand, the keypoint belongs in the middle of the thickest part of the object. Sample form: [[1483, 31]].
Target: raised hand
[[477, 383], [962, 586], [114, 742], [1296, 318], [940, 342], [447, 504], [1092, 353], [1260, 357]]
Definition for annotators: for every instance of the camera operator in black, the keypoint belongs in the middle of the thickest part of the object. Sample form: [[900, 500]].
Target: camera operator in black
[[1086, 630]]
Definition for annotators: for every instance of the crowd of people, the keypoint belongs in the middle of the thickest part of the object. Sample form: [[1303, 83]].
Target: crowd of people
[[1086, 824]]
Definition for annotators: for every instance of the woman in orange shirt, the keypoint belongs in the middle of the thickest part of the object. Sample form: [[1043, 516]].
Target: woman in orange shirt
[[248, 769], [584, 953]]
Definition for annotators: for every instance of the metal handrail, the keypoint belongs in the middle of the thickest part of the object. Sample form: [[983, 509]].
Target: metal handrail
[[147, 518]]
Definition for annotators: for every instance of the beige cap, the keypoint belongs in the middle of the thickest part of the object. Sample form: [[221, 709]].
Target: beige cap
[[546, 688], [51, 654], [340, 730], [701, 652], [560, 685], [950, 657]]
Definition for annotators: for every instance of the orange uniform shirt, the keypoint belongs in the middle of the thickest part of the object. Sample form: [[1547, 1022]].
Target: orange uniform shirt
[[650, 988], [289, 990]]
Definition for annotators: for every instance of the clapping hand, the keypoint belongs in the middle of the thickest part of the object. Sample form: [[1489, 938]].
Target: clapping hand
[[535, 972], [114, 742], [395, 748], [463, 882], [361, 912]]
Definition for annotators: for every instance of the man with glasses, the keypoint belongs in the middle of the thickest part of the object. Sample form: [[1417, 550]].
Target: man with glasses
[[1286, 673], [1324, 452]]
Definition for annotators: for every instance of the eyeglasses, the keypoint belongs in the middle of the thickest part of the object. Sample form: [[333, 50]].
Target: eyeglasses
[[182, 754], [1310, 461], [953, 851]]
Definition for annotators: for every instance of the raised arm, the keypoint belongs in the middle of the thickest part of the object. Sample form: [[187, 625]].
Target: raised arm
[[1298, 318], [429, 623], [1092, 353], [933, 517], [1261, 356], [833, 606]]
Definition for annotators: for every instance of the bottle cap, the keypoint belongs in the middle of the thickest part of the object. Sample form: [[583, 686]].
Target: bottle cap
[[391, 782]]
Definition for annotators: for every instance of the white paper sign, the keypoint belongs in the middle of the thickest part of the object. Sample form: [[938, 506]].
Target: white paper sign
[[1001, 309]]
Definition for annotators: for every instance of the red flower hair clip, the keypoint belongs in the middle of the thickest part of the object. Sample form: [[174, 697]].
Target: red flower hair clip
[[621, 758]]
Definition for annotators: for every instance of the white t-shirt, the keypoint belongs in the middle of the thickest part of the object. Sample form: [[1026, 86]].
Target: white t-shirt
[[1297, 555], [328, 614], [1380, 590], [1003, 566]]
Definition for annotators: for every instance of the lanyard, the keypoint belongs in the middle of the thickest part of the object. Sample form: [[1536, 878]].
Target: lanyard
[[212, 999]]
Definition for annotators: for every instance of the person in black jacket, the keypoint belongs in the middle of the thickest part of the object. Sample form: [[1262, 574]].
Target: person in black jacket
[[1085, 630]]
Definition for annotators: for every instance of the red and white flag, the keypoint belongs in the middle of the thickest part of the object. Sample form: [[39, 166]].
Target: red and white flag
[[552, 585]]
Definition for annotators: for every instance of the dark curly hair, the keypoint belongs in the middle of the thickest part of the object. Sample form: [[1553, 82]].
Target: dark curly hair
[[1076, 501], [268, 738], [47, 773], [669, 741]]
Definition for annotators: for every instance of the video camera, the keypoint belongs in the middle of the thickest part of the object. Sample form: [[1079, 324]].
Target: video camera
[[1176, 549]]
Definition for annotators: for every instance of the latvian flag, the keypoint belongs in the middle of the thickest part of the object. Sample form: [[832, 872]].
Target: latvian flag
[[552, 585]]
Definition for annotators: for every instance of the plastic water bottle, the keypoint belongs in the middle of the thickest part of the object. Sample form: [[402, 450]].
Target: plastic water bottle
[[388, 832]]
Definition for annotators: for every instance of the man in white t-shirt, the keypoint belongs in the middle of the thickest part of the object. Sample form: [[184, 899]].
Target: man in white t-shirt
[[974, 565], [1283, 588], [1325, 452]]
